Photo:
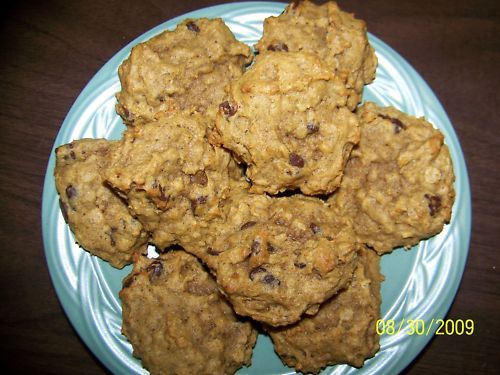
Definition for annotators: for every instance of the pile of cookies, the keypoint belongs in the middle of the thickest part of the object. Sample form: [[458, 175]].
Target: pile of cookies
[[268, 190]]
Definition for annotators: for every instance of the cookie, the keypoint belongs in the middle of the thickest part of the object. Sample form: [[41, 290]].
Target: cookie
[[178, 322], [398, 184], [343, 331], [171, 177], [98, 218], [183, 69], [285, 261], [286, 119], [337, 37]]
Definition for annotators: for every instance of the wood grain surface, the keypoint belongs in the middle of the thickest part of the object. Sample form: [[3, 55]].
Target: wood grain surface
[[51, 49]]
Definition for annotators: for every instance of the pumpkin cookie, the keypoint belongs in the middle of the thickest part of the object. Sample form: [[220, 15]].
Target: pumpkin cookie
[[172, 178], [398, 184], [183, 69], [285, 261], [286, 119], [177, 320], [344, 329], [98, 218]]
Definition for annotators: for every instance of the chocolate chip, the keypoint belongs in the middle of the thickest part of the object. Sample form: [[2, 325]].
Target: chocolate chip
[[193, 205], [315, 228], [248, 224], [163, 197], [256, 271], [271, 249], [200, 200], [71, 192], [112, 240], [434, 203], [155, 270], [156, 185], [72, 155], [294, 3], [255, 247], [396, 123], [278, 47], [271, 280], [193, 27], [64, 210], [228, 108], [127, 282], [127, 114], [299, 265], [312, 128], [199, 178], [296, 160], [212, 251]]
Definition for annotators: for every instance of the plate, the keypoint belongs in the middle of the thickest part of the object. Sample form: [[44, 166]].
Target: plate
[[420, 284]]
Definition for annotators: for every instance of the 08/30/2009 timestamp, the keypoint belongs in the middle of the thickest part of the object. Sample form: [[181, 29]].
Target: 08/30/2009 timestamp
[[422, 327]]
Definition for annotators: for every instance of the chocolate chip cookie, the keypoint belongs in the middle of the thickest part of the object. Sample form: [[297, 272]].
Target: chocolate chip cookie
[[398, 184], [285, 261], [183, 69], [172, 178], [98, 218], [337, 37], [177, 320], [344, 329], [286, 119]]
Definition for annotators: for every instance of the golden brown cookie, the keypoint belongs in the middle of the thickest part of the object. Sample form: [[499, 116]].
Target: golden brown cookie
[[172, 178], [337, 37], [344, 329], [284, 259], [184, 69], [286, 119], [98, 218], [177, 320], [398, 184]]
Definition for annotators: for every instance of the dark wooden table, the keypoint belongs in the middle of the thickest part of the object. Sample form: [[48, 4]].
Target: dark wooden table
[[52, 48]]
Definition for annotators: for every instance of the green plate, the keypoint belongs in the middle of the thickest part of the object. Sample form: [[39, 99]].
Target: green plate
[[420, 284]]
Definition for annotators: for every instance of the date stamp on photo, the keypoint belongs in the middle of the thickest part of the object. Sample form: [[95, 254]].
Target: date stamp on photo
[[420, 327]]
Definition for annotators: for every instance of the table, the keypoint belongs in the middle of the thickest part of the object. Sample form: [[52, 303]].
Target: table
[[52, 48]]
